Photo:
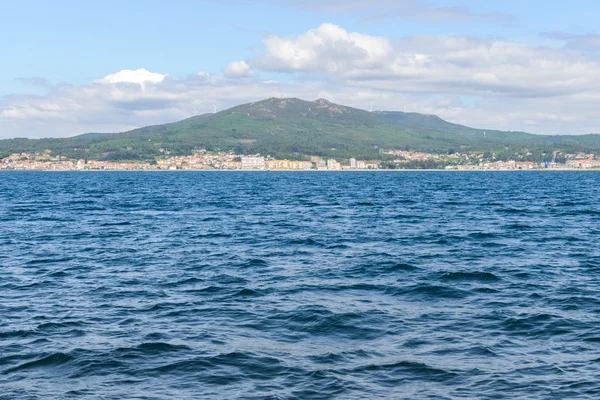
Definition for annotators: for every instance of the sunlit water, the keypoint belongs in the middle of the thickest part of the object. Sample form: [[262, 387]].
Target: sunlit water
[[300, 285]]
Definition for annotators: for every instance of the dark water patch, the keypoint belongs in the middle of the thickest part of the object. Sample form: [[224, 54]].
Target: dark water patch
[[216, 235], [116, 223], [518, 227], [482, 235], [396, 372], [401, 267], [58, 274], [153, 348], [249, 293]]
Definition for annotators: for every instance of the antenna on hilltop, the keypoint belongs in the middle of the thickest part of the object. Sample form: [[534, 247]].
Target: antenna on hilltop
[[214, 109], [195, 111], [371, 107]]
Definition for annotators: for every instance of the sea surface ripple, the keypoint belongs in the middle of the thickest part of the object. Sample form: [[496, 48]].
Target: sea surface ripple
[[272, 285]]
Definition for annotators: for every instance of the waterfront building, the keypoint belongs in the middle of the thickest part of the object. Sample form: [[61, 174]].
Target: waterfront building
[[253, 163], [333, 164], [288, 165], [353, 163]]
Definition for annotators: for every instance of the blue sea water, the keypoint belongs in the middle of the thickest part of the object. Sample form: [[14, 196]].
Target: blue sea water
[[399, 285]]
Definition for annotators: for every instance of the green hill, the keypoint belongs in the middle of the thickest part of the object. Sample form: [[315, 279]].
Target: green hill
[[295, 129]]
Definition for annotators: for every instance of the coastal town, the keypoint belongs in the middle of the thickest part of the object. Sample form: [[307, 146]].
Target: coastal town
[[204, 160]]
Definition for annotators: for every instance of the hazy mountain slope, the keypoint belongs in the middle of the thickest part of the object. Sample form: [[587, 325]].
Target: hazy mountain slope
[[295, 128]]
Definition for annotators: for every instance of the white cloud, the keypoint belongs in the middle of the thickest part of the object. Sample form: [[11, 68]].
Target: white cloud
[[329, 49], [437, 64], [102, 106], [139, 76], [238, 69]]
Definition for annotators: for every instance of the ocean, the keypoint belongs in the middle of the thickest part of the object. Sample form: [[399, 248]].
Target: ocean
[[275, 285]]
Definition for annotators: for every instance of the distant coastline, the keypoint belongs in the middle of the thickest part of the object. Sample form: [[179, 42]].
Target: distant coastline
[[547, 170]]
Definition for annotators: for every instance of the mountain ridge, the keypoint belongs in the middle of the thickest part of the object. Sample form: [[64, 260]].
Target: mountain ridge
[[296, 129]]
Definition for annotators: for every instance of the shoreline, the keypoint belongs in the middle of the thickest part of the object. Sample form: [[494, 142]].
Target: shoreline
[[309, 171]]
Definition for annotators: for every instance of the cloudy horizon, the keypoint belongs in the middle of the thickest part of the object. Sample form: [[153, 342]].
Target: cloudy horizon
[[487, 67]]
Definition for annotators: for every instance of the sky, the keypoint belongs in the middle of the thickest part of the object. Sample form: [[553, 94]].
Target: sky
[[71, 67]]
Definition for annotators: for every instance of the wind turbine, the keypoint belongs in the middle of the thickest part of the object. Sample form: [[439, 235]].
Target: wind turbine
[[371, 107], [195, 111], [214, 109]]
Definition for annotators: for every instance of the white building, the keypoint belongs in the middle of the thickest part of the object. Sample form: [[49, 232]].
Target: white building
[[353, 163], [253, 163], [333, 164], [361, 165]]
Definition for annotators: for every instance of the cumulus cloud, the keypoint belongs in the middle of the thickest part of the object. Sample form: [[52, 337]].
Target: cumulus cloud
[[139, 76], [329, 49], [238, 69], [113, 105], [440, 64]]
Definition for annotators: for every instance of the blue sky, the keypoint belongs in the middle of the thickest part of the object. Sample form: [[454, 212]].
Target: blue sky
[[54, 53]]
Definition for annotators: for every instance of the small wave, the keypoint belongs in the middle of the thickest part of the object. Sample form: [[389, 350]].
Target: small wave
[[211, 236], [476, 276], [255, 262], [118, 223], [345, 356], [482, 235], [406, 369], [152, 348], [18, 334], [401, 267], [248, 365], [52, 360], [248, 293], [304, 242], [57, 326], [49, 260], [184, 282], [431, 292], [58, 274], [322, 322]]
